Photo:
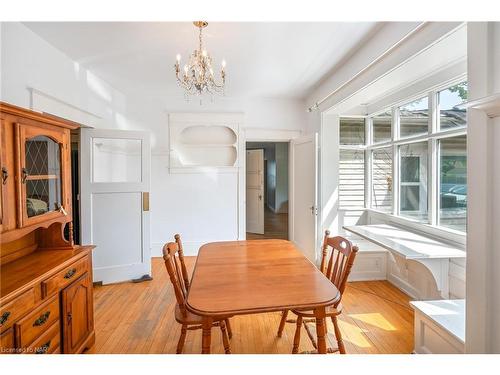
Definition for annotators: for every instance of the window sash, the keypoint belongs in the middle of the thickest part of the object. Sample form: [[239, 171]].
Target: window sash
[[434, 135]]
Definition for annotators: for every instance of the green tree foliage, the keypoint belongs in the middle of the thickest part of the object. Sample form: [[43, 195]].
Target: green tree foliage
[[461, 89]]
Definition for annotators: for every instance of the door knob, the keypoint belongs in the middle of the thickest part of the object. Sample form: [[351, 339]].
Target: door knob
[[260, 197]]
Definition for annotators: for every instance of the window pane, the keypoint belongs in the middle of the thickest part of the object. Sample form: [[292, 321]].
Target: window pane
[[413, 181], [382, 179], [43, 175], [453, 183], [449, 115], [414, 118], [352, 179], [116, 160], [352, 131], [382, 127]]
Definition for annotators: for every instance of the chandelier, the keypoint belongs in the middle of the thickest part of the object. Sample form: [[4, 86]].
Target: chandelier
[[197, 76]]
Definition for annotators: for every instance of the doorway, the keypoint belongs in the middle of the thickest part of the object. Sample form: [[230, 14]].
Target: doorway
[[267, 190]]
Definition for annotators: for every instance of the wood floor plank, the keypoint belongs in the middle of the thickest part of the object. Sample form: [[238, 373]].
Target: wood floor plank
[[139, 318]]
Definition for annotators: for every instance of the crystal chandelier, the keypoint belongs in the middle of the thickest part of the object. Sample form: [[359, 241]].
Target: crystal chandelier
[[197, 76]]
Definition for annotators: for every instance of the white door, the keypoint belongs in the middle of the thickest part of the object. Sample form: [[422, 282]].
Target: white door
[[114, 200], [255, 191], [304, 175]]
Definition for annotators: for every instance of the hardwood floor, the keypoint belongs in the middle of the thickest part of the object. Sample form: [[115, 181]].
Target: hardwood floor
[[139, 318], [275, 226]]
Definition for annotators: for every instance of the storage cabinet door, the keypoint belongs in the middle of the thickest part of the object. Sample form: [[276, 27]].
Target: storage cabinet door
[[44, 173], [7, 172], [4, 173], [77, 313]]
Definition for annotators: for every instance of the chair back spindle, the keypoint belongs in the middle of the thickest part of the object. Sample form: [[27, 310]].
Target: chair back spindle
[[175, 268], [342, 255], [185, 276]]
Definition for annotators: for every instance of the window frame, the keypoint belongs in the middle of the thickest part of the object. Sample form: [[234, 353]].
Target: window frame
[[432, 137]]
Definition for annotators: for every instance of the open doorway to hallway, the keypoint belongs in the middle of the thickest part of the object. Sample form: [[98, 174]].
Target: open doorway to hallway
[[267, 190]]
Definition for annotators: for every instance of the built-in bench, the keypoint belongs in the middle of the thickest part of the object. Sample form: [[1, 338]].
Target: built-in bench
[[408, 246], [439, 326], [371, 261]]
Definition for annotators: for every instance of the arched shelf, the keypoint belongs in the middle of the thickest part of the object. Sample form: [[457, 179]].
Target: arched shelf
[[201, 141]]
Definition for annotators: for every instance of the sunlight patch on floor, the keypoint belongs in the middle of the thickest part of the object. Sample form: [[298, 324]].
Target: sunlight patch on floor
[[374, 319], [353, 334]]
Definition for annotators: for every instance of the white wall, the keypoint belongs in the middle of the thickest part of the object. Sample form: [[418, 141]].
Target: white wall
[[483, 237], [202, 207]]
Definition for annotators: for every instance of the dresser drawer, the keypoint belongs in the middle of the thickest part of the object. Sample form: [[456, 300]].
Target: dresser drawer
[[48, 343], [16, 308], [33, 325], [7, 342], [64, 277]]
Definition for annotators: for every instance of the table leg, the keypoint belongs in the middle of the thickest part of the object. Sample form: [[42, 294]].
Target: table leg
[[320, 329], [206, 337]]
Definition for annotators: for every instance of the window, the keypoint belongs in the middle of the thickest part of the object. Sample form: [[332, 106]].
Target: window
[[422, 158], [382, 179], [382, 127], [352, 131], [414, 118], [413, 181], [453, 182], [352, 179], [450, 114]]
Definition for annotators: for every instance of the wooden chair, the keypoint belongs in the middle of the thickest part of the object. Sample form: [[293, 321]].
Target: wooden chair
[[337, 269], [174, 262], [185, 276]]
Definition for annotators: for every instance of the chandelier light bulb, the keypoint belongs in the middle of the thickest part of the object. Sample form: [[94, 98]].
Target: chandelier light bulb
[[178, 58], [223, 64]]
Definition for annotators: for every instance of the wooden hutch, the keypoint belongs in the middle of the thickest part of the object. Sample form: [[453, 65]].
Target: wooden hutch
[[46, 301]]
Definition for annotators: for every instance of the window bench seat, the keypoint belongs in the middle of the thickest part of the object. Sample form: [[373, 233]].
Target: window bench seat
[[439, 326], [371, 261], [406, 246]]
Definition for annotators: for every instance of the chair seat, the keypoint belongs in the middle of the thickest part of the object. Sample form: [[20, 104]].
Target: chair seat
[[330, 311], [190, 318]]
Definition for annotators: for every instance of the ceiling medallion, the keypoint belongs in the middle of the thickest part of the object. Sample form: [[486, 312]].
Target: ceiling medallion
[[197, 76]]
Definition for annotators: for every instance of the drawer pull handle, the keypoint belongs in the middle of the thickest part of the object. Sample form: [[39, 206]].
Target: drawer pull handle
[[4, 317], [41, 319], [70, 273], [44, 348]]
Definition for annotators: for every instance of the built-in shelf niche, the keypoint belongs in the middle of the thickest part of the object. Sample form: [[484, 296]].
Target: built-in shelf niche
[[202, 143]]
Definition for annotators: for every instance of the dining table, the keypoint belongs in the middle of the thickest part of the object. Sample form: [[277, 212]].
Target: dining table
[[257, 276]]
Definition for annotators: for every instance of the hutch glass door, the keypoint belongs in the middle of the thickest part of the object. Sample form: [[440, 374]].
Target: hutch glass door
[[42, 176]]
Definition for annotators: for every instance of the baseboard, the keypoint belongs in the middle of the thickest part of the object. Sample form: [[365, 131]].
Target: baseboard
[[402, 285]]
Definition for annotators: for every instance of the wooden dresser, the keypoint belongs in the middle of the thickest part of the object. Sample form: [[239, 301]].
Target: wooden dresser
[[46, 300]]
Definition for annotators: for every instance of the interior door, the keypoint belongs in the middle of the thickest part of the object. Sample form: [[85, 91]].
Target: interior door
[[114, 206], [255, 191], [304, 178]]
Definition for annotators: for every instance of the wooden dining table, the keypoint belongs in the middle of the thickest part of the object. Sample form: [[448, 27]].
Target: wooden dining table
[[251, 277]]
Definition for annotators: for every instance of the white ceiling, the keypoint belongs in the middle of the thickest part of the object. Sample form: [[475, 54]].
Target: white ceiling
[[263, 59]]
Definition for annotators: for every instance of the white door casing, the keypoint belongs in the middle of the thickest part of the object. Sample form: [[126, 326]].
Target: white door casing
[[255, 191], [304, 202], [114, 175]]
